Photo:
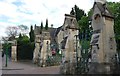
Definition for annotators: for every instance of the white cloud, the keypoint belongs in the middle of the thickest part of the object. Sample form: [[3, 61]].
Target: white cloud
[[30, 12]]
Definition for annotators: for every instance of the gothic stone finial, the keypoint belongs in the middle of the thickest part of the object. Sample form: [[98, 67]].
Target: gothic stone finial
[[101, 1]]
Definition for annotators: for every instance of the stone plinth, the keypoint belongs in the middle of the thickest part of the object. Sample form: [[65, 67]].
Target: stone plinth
[[101, 68], [14, 53]]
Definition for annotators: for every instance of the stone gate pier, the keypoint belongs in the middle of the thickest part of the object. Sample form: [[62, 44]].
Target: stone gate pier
[[42, 47], [70, 45], [14, 50], [103, 45]]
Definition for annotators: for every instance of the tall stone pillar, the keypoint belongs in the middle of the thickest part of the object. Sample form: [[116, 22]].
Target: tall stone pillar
[[45, 52], [14, 51], [36, 52], [70, 45], [103, 45]]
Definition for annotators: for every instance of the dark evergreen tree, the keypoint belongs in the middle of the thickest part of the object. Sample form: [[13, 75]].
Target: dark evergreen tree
[[46, 25], [78, 12], [31, 34], [41, 25], [20, 36], [72, 12]]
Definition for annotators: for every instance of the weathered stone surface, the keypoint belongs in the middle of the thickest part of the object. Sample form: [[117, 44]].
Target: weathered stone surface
[[14, 50], [103, 45], [100, 68], [14, 53], [70, 45], [42, 50]]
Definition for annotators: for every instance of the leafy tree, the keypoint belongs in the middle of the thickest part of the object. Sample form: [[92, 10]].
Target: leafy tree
[[84, 27], [25, 39], [90, 13], [7, 49], [24, 53], [12, 32], [83, 23], [46, 25], [31, 34]]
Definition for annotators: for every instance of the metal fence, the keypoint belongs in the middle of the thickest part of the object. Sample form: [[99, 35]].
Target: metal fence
[[54, 60]]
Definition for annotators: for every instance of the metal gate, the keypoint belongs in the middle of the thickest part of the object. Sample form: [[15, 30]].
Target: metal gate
[[50, 61], [82, 65], [54, 60]]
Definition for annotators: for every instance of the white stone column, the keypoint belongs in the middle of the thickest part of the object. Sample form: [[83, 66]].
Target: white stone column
[[14, 50], [14, 53], [36, 52]]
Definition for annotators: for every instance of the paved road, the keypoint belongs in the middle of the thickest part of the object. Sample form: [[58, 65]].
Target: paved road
[[27, 67]]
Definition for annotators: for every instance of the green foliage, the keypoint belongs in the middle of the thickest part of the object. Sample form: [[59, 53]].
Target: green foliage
[[90, 13], [46, 25], [23, 40], [84, 28], [7, 47], [85, 44], [25, 48], [83, 23], [78, 12], [31, 34], [83, 63], [20, 36]]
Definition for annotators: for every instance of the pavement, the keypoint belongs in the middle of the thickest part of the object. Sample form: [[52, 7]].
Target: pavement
[[26, 67]]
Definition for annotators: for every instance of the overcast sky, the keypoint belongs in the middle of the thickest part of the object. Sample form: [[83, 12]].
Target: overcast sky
[[30, 12]]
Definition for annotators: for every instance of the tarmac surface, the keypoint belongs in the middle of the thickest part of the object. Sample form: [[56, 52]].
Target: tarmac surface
[[26, 67]]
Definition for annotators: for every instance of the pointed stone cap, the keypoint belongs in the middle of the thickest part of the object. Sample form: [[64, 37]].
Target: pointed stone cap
[[103, 8], [68, 15], [71, 21], [101, 1]]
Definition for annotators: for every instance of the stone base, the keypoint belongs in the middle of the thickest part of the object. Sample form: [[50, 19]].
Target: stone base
[[14, 60], [100, 68], [42, 63], [35, 60], [67, 68]]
